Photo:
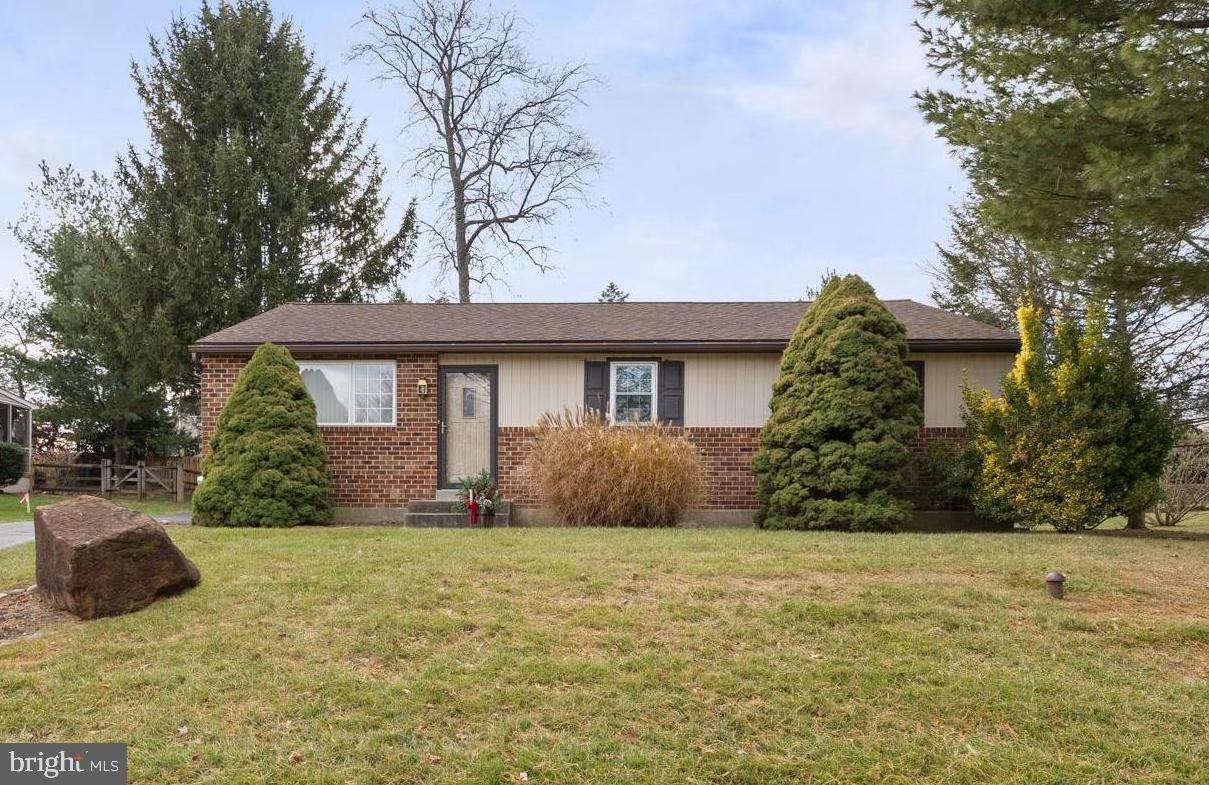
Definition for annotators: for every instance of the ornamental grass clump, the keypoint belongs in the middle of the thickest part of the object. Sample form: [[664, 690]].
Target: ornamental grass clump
[[595, 474], [267, 465]]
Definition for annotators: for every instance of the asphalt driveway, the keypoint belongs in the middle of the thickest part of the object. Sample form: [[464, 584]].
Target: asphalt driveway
[[23, 531], [16, 533]]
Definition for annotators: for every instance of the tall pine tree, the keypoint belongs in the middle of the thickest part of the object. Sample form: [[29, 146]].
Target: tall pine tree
[[1083, 130], [258, 188], [105, 343], [986, 274], [613, 294]]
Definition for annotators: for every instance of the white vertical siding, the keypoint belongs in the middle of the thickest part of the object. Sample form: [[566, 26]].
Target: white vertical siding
[[728, 389], [531, 384], [720, 389], [942, 382]]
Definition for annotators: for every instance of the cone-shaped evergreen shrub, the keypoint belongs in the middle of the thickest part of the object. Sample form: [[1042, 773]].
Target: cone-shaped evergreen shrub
[[267, 465], [843, 410]]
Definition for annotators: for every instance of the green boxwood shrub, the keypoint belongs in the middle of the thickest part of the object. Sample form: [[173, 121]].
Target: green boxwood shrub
[[12, 463], [267, 465], [842, 413]]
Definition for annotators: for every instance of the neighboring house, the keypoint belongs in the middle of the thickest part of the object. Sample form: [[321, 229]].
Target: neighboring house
[[16, 426], [411, 396]]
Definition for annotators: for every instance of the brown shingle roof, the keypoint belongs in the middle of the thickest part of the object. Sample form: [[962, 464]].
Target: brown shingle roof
[[750, 326]]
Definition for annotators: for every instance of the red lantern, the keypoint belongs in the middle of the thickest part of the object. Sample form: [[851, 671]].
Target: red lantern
[[472, 507]]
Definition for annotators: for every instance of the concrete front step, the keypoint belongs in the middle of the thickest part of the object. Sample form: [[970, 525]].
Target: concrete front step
[[435, 520], [434, 505], [437, 513], [440, 505], [448, 520]]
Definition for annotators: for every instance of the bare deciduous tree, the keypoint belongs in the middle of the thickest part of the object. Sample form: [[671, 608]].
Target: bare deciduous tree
[[501, 149], [1185, 482], [16, 342]]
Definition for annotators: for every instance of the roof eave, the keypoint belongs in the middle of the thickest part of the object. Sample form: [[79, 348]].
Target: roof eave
[[919, 345], [12, 399], [965, 345]]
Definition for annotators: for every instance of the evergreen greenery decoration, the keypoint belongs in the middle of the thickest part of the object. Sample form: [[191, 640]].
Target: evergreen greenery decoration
[[1074, 438], [267, 465], [843, 410]]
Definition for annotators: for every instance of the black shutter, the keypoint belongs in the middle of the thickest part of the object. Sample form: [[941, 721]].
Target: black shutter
[[596, 387], [918, 367], [671, 392]]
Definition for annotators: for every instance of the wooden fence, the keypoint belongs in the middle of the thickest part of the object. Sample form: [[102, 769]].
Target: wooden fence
[[107, 478]]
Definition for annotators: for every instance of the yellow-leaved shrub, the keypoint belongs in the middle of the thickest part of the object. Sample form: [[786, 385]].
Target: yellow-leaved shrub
[[1074, 437]]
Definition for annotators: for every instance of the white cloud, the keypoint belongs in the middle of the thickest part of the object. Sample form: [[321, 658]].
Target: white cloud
[[858, 79], [663, 28]]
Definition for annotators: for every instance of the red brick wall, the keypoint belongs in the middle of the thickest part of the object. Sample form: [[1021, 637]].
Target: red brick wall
[[372, 466], [725, 452], [934, 434], [218, 374], [511, 446], [918, 479]]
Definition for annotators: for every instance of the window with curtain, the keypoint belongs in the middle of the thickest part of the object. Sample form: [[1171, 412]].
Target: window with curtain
[[349, 393], [374, 393]]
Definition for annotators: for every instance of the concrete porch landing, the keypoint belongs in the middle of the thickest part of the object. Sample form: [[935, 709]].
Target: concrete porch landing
[[423, 513]]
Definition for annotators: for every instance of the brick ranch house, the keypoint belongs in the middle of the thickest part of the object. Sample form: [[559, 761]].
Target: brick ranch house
[[411, 396]]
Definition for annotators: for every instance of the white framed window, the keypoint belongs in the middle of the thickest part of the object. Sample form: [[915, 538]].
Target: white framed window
[[351, 393], [632, 386]]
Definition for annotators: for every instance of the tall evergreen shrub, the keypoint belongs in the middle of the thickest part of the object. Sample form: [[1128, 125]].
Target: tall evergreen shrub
[[267, 465], [843, 410]]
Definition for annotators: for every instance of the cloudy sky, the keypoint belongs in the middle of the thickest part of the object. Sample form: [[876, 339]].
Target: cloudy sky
[[751, 145]]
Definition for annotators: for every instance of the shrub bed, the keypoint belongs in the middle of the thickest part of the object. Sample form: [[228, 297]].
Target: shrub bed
[[595, 474]]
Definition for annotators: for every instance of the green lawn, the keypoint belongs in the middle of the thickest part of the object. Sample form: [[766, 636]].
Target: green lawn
[[619, 656], [11, 508]]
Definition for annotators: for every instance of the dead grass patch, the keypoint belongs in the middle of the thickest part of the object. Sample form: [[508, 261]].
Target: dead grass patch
[[24, 612]]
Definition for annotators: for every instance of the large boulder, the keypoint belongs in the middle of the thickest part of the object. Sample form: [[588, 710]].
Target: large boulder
[[95, 558]]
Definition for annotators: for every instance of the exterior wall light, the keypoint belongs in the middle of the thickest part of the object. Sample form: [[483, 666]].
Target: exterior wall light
[[422, 388], [1054, 585]]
